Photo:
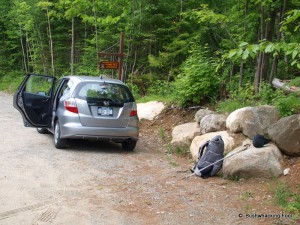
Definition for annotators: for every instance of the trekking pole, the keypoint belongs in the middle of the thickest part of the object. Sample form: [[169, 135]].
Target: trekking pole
[[226, 157]]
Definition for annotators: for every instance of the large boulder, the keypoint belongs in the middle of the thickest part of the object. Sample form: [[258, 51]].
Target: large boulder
[[201, 113], [253, 162], [252, 120], [149, 110], [212, 123], [183, 134], [286, 134], [231, 141]]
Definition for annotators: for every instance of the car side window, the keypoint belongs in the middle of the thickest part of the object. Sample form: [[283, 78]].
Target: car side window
[[39, 85], [62, 88]]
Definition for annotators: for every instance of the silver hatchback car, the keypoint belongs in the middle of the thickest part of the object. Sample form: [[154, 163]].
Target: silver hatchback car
[[79, 107]]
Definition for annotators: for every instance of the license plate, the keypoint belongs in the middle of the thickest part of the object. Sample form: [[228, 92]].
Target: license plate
[[105, 111]]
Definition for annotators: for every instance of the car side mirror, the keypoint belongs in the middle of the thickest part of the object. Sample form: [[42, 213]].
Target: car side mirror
[[41, 93]]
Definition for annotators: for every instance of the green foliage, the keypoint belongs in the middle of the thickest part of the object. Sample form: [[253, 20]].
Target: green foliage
[[197, 82], [160, 42], [179, 150], [295, 82], [267, 95], [162, 88], [11, 81], [286, 199], [246, 51], [230, 105], [240, 98], [288, 105], [134, 89], [293, 17], [244, 94]]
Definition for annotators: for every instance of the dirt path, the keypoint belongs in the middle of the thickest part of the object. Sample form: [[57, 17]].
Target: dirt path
[[99, 183]]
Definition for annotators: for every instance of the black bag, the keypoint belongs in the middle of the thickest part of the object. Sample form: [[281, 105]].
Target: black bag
[[259, 141], [209, 158]]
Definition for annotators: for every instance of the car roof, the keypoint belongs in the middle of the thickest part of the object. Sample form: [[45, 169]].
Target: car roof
[[92, 78]]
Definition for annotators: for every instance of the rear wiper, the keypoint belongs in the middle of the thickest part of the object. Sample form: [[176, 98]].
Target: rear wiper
[[104, 102]]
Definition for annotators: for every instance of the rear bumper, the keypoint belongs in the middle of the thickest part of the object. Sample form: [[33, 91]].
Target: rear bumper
[[76, 131]]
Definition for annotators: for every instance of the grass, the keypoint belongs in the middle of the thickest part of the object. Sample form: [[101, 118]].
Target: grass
[[10, 83], [148, 98], [162, 133], [290, 202], [178, 150], [246, 195], [230, 105], [172, 161]]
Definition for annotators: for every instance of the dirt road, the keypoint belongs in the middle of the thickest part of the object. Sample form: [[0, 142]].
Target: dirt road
[[99, 183]]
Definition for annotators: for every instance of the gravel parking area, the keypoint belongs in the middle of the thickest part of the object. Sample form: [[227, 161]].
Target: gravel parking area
[[94, 182]]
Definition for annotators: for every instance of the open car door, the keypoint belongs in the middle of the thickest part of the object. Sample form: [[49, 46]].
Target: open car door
[[34, 100]]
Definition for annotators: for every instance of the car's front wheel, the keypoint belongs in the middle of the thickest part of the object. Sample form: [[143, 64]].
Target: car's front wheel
[[58, 141], [129, 145]]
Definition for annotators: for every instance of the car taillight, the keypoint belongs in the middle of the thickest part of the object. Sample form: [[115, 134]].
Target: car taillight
[[133, 113], [71, 106]]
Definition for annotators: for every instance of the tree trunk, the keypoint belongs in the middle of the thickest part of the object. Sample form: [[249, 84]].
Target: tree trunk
[[42, 52], [72, 47], [274, 68], [261, 36], [267, 28], [257, 73], [28, 52], [51, 43], [278, 36], [96, 27], [241, 73], [23, 53]]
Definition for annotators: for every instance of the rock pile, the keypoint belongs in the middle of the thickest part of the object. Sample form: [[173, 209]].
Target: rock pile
[[238, 129]]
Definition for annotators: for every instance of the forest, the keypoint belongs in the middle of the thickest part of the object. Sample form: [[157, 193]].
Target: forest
[[190, 51]]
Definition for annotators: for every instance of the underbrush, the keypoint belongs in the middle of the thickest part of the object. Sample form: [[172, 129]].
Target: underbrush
[[153, 97], [10, 82], [287, 104]]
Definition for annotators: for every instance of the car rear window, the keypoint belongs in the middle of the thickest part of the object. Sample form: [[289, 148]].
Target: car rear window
[[96, 90]]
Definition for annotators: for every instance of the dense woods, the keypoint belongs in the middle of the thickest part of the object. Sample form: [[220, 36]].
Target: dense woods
[[196, 49]]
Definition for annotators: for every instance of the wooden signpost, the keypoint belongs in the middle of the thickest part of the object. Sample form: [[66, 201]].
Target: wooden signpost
[[112, 64]]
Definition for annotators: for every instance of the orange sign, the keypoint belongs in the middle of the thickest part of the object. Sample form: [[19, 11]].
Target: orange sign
[[108, 65]]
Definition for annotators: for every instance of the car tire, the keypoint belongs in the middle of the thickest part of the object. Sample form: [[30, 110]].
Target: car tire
[[58, 141], [129, 145], [42, 130]]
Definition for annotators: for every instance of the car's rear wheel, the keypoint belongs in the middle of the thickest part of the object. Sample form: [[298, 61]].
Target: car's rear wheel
[[42, 130], [129, 145], [58, 141]]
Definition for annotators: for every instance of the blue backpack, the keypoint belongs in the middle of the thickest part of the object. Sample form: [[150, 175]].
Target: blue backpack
[[210, 157]]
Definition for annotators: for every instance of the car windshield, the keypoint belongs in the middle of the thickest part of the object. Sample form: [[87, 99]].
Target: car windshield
[[102, 90]]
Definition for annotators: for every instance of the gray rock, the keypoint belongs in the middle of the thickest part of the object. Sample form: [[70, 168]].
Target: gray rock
[[149, 110], [286, 134], [252, 120], [230, 141], [212, 123], [183, 134], [201, 113], [253, 162]]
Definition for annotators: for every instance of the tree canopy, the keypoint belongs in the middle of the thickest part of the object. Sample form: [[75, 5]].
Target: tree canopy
[[204, 45]]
